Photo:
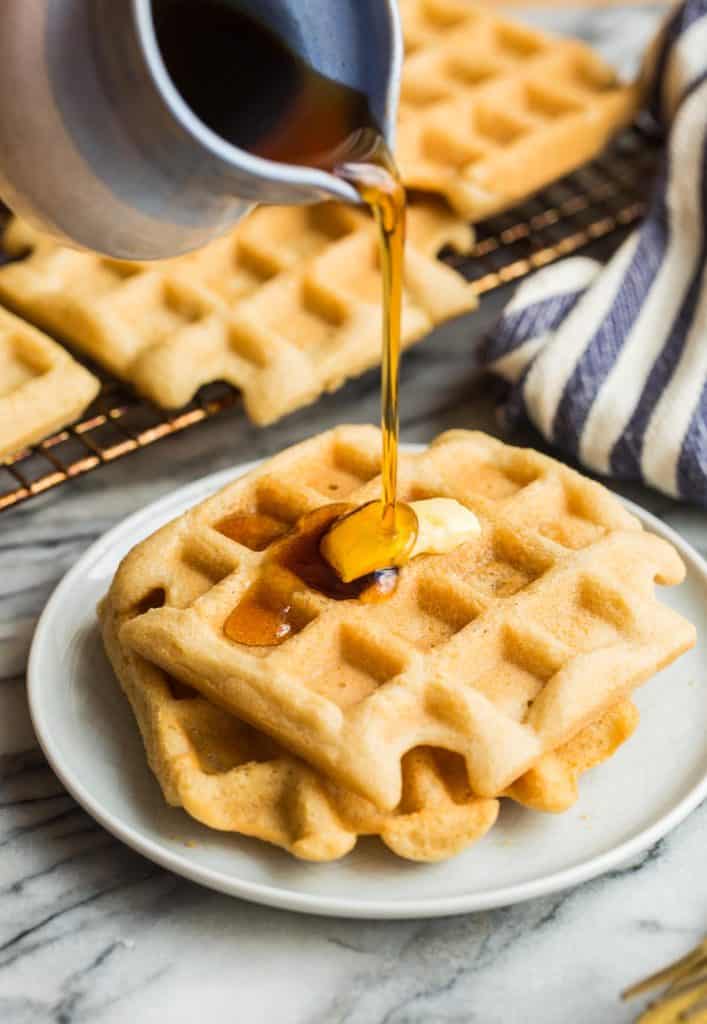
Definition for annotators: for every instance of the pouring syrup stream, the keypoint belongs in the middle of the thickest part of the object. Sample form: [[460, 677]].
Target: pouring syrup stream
[[303, 118]]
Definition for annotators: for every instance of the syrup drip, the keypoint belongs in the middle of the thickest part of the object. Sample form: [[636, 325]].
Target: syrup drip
[[268, 614], [355, 545], [245, 83], [377, 181]]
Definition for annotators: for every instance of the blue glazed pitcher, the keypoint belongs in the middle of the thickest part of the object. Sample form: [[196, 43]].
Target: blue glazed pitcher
[[98, 147]]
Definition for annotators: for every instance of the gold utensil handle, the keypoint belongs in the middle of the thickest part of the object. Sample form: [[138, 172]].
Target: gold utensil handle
[[685, 995]]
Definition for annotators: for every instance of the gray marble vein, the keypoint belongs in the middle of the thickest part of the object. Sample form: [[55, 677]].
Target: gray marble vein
[[92, 932]]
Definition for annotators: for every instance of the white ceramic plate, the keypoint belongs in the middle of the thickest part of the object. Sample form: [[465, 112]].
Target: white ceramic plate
[[88, 734]]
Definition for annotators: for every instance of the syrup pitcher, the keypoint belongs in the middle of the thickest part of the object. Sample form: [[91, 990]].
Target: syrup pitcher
[[144, 128]]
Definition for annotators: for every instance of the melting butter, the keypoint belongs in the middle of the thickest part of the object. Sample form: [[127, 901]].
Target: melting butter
[[442, 525]]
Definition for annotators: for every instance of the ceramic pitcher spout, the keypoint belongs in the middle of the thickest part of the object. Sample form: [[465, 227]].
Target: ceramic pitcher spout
[[98, 147]]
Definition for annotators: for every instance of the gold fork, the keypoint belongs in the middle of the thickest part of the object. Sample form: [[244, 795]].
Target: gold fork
[[685, 995]]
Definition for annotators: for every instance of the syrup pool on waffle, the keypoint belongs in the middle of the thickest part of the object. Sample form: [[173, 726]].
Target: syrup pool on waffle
[[266, 615], [328, 551]]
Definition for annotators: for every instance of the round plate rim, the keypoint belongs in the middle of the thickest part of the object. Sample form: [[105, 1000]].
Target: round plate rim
[[280, 896]]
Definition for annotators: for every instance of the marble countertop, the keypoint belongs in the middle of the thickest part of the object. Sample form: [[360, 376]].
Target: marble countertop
[[91, 932]]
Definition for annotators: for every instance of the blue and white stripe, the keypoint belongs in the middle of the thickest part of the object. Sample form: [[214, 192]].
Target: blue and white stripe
[[610, 363]]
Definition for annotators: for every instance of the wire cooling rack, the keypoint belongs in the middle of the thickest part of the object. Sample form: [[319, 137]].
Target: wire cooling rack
[[593, 202]]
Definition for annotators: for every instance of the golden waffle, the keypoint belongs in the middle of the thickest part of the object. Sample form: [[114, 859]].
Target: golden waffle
[[492, 110], [551, 784], [41, 387], [502, 650], [232, 777], [285, 307]]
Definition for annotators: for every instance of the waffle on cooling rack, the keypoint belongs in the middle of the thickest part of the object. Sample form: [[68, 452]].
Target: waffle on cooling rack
[[232, 777], [502, 650], [41, 387], [492, 110], [285, 307]]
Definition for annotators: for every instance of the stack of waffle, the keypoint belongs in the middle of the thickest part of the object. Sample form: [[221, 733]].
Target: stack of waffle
[[503, 669], [288, 305]]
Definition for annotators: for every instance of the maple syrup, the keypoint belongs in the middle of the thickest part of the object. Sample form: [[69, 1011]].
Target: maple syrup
[[355, 545], [267, 614], [286, 111], [254, 531], [250, 88]]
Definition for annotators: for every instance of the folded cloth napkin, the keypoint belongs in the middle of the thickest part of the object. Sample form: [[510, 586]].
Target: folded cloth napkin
[[610, 362]]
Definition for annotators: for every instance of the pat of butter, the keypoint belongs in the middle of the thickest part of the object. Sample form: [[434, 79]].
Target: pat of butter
[[443, 524], [357, 544]]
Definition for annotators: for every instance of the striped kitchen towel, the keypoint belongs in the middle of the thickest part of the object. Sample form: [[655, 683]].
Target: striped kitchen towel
[[610, 362]]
